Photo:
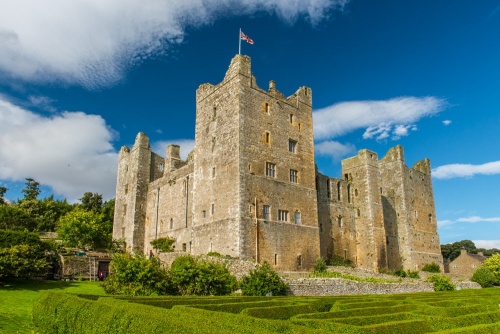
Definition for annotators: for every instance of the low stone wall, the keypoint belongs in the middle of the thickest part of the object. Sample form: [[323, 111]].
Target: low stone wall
[[467, 285], [339, 286]]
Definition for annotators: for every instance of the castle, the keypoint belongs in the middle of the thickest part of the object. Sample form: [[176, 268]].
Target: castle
[[250, 188]]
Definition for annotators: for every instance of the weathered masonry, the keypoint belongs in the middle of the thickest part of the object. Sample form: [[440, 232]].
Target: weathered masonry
[[250, 188]]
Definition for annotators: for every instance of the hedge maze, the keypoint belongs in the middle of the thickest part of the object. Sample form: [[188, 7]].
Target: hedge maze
[[465, 311]]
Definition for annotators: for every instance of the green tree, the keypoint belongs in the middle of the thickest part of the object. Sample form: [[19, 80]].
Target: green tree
[[163, 244], [137, 276], [92, 202], [45, 212], [493, 264], [262, 281], [84, 229], [3, 190], [16, 218], [31, 190], [202, 278], [484, 277], [452, 251]]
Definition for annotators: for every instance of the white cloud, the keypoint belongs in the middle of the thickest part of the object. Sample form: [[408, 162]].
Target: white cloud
[[334, 149], [465, 170], [71, 151], [381, 119], [447, 122], [477, 219], [443, 223], [92, 42], [487, 244], [160, 147]]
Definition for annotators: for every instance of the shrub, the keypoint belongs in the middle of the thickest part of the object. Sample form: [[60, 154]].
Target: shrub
[[409, 273], [163, 244], [484, 277], [262, 281], [137, 276], [215, 254], [432, 267], [21, 261], [320, 265], [493, 264], [441, 283], [203, 278], [337, 260]]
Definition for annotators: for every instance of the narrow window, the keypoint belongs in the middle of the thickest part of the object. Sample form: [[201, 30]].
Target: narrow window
[[212, 209], [430, 218], [171, 223], [275, 259], [339, 191], [359, 212], [267, 107], [214, 113], [339, 220], [299, 261], [282, 215], [320, 227], [291, 118], [204, 213], [213, 172], [267, 138], [123, 232], [266, 212], [356, 192], [126, 189], [292, 145], [294, 176], [298, 218], [184, 248], [270, 169], [124, 209], [345, 253], [349, 200], [299, 126], [328, 192], [160, 167]]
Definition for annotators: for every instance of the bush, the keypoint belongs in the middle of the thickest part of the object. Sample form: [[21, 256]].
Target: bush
[[22, 261], [432, 268], [402, 273], [484, 277], [137, 276], [263, 281], [337, 260], [493, 264], [163, 244], [202, 278], [441, 283], [320, 265]]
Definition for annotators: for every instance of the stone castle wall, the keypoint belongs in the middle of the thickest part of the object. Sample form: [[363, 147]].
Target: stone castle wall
[[250, 188]]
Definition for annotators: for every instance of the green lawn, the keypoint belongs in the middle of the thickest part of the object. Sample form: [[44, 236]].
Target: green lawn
[[16, 301]]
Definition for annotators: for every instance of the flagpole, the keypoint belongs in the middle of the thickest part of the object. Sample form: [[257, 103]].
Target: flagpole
[[239, 42]]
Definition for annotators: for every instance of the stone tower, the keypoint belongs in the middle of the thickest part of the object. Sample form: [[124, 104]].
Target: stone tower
[[254, 187]]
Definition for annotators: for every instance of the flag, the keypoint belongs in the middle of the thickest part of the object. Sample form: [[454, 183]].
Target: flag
[[246, 38]]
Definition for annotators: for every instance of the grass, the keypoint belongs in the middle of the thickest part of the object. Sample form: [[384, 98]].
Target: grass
[[16, 301]]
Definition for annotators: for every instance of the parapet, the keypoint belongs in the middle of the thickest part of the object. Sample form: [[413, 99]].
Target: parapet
[[394, 153], [423, 166]]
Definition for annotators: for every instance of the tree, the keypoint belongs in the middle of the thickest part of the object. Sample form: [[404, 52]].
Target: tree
[[84, 229], [263, 281], [452, 251], [31, 190], [45, 212], [484, 277], [3, 190], [493, 264], [21, 261], [163, 244], [16, 218], [91, 202]]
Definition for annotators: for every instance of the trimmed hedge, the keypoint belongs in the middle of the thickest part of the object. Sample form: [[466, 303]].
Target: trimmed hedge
[[285, 312], [358, 312]]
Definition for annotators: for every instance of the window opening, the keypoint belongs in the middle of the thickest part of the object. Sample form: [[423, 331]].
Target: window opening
[[270, 169], [339, 191], [266, 212], [268, 138], [160, 167], [294, 178], [292, 145], [298, 218], [212, 209], [282, 215], [171, 223]]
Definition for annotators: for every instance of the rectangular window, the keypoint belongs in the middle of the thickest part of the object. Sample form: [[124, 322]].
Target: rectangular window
[[292, 145], [184, 248], [270, 169], [266, 212], [203, 213], [291, 118], [124, 209], [298, 218], [294, 176], [267, 138], [282, 215], [212, 209], [126, 189]]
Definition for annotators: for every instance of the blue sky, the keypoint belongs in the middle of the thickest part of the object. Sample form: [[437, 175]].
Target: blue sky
[[79, 79]]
